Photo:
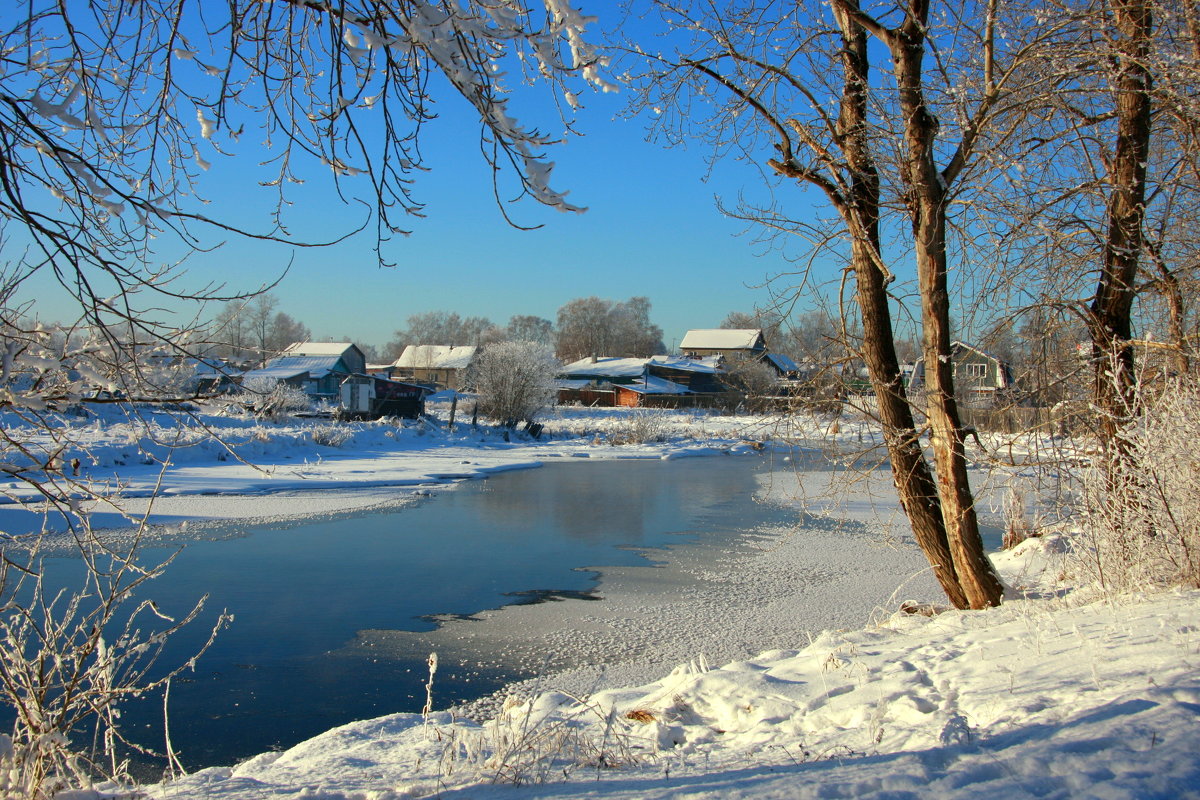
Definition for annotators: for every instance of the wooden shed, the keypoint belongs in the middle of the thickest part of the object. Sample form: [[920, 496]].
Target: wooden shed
[[372, 397], [654, 392], [443, 366]]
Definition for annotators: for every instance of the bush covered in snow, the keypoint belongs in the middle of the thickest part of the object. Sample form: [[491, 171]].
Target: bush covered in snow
[[332, 435], [514, 380], [1140, 514], [642, 425], [272, 398]]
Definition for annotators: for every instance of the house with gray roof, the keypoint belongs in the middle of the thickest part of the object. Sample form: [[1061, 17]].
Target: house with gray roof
[[317, 368], [981, 379]]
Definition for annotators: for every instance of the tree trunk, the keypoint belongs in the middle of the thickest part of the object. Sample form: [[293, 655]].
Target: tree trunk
[[927, 198], [1109, 319], [910, 471]]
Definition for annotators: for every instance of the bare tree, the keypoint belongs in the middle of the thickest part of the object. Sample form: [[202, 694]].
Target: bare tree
[[255, 326], [1110, 314], [284, 332], [514, 380], [583, 329], [769, 322], [754, 380], [259, 313], [112, 113], [229, 332], [591, 326], [443, 328], [797, 94], [527, 328]]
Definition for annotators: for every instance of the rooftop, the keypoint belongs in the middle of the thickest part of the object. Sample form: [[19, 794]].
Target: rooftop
[[721, 339]]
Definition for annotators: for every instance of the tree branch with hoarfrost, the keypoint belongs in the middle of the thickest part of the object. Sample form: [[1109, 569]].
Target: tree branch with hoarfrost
[[112, 112], [123, 124]]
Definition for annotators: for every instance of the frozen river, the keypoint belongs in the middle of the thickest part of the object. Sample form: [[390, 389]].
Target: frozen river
[[321, 608]]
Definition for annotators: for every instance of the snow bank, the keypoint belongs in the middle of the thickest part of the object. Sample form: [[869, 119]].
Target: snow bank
[[1043, 697], [182, 459]]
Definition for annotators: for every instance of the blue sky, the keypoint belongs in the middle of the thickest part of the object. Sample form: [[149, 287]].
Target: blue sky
[[652, 229]]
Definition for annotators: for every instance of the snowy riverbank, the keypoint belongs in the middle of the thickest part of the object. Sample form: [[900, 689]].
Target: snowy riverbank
[[1058, 694], [1055, 695], [267, 470]]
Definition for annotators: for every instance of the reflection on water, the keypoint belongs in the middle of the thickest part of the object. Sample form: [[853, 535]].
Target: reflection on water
[[636, 498], [280, 674]]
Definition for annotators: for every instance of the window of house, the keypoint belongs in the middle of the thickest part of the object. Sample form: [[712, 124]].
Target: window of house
[[976, 370]]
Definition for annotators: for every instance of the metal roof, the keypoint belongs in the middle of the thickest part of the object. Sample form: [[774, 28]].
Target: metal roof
[[605, 368], [653, 385], [783, 363], [286, 367], [318, 349], [710, 365]]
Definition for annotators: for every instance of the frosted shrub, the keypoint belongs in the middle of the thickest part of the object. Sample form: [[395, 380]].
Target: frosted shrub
[[332, 435], [275, 398], [514, 381], [1142, 514], [64, 681], [540, 740], [1017, 527], [641, 426]]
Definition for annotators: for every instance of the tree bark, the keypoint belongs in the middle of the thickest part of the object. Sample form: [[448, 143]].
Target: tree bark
[[941, 512], [1110, 314], [910, 471], [927, 199]]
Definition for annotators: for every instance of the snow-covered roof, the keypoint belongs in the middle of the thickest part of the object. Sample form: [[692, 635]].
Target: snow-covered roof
[[318, 348], [974, 349], [654, 385], [436, 356], [568, 383], [783, 363], [286, 367], [721, 339], [709, 364], [606, 367]]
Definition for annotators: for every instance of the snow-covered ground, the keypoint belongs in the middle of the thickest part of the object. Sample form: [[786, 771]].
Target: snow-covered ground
[[1058, 693], [1052, 695], [263, 470]]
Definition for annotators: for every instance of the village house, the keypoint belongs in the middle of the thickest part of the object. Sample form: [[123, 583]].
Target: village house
[[980, 379], [592, 381], [730, 344], [653, 392], [700, 375], [737, 346], [316, 368], [661, 381], [441, 366], [787, 368]]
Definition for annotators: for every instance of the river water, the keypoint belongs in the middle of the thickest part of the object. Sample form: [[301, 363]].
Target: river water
[[282, 673]]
